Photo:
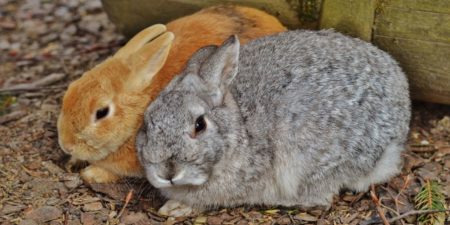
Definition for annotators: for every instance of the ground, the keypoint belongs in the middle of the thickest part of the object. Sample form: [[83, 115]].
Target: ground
[[46, 44]]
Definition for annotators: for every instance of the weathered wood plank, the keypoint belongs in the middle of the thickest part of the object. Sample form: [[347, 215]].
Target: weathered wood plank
[[132, 16], [437, 6], [425, 62], [413, 24], [352, 17]]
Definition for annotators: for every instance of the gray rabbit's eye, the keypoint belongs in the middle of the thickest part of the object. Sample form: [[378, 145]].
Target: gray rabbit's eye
[[200, 125]]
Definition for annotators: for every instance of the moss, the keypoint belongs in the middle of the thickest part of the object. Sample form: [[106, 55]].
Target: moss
[[5, 102]]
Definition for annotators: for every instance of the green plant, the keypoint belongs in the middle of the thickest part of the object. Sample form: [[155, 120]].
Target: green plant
[[430, 197]]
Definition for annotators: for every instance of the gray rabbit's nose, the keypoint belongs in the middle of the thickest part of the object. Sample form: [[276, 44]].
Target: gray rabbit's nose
[[170, 173], [183, 177], [158, 181], [171, 169], [165, 177], [168, 180]]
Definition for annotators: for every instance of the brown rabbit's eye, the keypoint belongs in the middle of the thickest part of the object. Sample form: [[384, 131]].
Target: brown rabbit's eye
[[200, 124], [101, 113]]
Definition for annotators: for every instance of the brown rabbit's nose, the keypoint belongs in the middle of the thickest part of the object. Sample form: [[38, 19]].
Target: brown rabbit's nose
[[66, 148]]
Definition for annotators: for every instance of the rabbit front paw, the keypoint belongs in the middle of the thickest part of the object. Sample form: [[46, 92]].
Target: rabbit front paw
[[175, 208], [95, 174], [73, 165]]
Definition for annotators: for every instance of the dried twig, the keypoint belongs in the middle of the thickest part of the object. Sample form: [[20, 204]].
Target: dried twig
[[20, 89], [291, 218], [127, 200], [66, 218], [12, 116], [423, 149], [378, 205], [358, 197], [406, 182], [37, 85], [397, 202], [416, 212], [409, 213]]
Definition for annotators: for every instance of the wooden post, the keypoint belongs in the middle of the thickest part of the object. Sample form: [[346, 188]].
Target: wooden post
[[352, 17], [131, 16], [417, 34]]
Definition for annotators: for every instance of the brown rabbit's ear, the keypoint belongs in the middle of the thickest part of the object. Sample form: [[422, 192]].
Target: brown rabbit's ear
[[148, 60], [139, 40]]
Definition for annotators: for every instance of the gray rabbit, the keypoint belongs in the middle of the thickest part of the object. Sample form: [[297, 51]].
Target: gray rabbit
[[288, 119]]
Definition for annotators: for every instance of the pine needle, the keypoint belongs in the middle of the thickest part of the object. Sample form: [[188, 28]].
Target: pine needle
[[430, 197]]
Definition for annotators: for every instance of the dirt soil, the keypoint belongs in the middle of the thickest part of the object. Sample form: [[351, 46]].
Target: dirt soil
[[46, 44]]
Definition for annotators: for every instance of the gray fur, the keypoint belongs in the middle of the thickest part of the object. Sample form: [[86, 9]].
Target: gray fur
[[307, 114]]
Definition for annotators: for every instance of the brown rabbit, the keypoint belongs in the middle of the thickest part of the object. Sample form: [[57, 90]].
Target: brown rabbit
[[102, 111]]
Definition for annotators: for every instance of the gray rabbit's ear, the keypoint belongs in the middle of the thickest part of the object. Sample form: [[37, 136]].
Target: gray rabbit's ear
[[197, 59], [219, 70]]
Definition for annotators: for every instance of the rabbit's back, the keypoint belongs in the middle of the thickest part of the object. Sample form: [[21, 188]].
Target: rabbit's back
[[334, 101]]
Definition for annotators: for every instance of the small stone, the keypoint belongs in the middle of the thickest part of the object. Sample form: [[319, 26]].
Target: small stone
[[93, 206], [28, 222], [44, 214], [134, 218]]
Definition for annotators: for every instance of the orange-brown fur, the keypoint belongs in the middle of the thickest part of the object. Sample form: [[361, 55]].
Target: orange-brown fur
[[209, 26]]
